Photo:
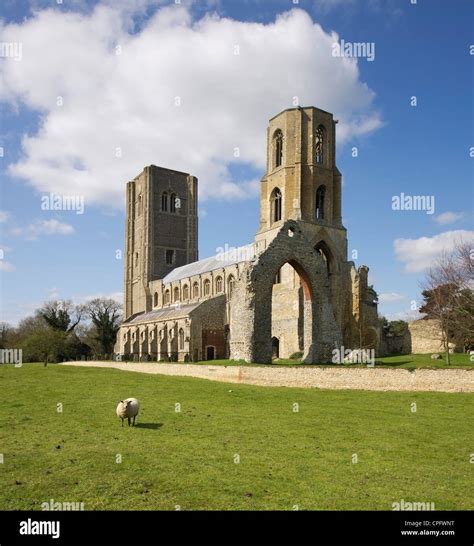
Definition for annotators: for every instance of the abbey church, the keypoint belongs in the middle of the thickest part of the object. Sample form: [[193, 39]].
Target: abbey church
[[290, 293]]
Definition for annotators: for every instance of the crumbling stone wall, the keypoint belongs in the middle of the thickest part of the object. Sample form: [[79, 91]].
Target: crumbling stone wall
[[252, 299]]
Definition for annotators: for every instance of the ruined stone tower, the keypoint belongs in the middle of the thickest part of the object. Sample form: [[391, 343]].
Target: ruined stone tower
[[161, 231]]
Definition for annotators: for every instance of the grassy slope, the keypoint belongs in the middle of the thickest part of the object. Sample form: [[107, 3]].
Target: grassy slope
[[187, 458]]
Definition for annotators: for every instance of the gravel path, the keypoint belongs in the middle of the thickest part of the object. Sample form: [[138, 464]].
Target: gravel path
[[375, 379]]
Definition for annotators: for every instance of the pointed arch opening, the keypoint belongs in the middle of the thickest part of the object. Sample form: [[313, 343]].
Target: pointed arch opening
[[320, 145], [278, 148], [275, 205], [319, 211]]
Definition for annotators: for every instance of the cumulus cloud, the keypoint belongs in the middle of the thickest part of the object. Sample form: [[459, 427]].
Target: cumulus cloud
[[391, 297], [4, 216], [448, 217], [43, 227], [178, 93], [419, 254]]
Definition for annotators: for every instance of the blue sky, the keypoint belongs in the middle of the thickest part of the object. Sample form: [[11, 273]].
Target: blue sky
[[170, 51]]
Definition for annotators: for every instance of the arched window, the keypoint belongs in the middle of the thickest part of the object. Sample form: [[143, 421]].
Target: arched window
[[196, 290], [136, 259], [320, 197], [176, 294], [278, 147], [173, 202], [325, 252], [139, 205], [164, 202], [207, 287], [181, 338], [167, 296], [219, 285], [185, 292], [230, 285], [275, 205], [319, 144], [155, 299]]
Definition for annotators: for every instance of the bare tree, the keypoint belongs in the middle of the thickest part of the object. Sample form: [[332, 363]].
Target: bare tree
[[449, 296], [61, 315]]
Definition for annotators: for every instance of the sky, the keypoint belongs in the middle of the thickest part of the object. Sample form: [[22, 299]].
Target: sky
[[93, 91]]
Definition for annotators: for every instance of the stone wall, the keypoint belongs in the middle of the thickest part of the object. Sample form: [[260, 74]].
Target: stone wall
[[376, 379], [426, 336]]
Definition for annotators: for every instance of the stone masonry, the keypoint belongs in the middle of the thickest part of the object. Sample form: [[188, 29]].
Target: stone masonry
[[292, 290]]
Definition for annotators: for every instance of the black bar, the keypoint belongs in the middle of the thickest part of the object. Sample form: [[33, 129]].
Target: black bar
[[241, 528]]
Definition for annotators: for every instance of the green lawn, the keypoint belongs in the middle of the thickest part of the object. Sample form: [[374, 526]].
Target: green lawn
[[187, 458], [412, 361]]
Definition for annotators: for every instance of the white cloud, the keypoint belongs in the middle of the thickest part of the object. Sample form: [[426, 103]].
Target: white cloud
[[419, 254], [43, 227], [6, 267], [4, 216], [127, 101], [391, 297], [448, 217]]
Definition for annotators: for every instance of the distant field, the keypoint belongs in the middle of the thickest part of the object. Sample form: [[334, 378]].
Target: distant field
[[230, 447]]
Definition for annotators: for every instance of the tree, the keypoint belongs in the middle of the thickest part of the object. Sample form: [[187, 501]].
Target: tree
[[48, 345], [449, 297], [61, 315], [106, 315], [6, 333]]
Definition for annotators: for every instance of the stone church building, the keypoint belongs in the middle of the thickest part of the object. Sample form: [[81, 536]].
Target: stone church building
[[292, 290]]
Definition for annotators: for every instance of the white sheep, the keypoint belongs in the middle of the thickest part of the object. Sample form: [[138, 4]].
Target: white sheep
[[127, 409]]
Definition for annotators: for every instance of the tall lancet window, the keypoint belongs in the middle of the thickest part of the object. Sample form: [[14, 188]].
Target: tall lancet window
[[278, 147], [275, 205], [164, 202], [320, 196], [319, 145]]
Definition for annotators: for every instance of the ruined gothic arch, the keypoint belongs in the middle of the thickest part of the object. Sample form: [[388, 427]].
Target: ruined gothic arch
[[251, 315], [322, 248]]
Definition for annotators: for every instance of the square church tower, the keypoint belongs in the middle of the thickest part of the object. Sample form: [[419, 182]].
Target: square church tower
[[161, 231]]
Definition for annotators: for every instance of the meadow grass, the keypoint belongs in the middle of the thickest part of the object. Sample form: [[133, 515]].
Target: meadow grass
[[410, 362], [229, 447]]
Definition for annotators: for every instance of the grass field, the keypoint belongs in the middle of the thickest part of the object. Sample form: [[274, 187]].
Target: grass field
[[187, 458], [412, 361]]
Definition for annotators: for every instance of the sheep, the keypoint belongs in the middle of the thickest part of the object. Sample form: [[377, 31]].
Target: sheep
[[127, 409]]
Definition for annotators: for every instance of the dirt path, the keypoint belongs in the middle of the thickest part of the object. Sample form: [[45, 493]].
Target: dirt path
[[376, 379]]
